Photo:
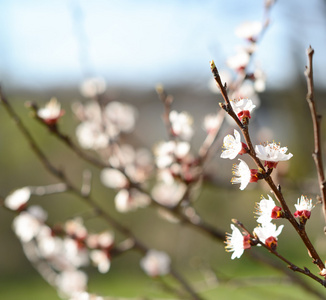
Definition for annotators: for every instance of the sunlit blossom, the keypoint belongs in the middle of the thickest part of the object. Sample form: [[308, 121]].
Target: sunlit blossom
[[101, 259], [70, 282], [156, 263], [76, 229], [236, 242], [51, 112], [272, 153], [243, 175], [266, 210], [212, 122], [239, 61], [103, 240], [130, 199], [303, 207], [90, 135], [113, 178], [242, 107], [121, 115], [181, 124], [169, 193], [28, 223], [232, 145], [92, 87], [268, 233], [17, 199], [167, 152], [249, 30]]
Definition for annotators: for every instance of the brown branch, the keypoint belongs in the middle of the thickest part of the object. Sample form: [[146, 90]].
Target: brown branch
[[291, 266], [316, 120], [277, 191]]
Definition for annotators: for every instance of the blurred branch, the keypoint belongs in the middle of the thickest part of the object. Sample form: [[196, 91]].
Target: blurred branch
[[316, 120], [139, 245]]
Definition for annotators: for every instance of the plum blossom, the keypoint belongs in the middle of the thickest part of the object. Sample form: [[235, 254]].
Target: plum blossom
[[17, 199], [29, 223], [243, 175], [249, 30], [71, 282], [169, 193], [99, 126], [167, 152], [136, 163], [267, 234], [51, 112], [233, 146], [239, 61], [121, 115], [236, 242], [130, 199], [323, 272], [272, 153], [113, 178], [155, 263], [212, 122], [181, 125], [92, 87], [101, 259], [267, 210], [103, 240], [303, 208], [242, 107]]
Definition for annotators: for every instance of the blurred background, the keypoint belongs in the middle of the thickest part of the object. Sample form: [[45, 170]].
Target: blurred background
[[48, 48]]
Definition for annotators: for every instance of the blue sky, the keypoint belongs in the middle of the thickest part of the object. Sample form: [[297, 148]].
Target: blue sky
[[143, 42]]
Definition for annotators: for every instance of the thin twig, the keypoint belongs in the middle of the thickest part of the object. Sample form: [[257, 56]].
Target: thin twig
[[316, 120]]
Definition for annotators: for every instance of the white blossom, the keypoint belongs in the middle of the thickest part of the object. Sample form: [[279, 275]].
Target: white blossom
[[181, 124], [122, 115], [264, 210], [242, 174], [92, 87], [128, 200], [240, 105], [75, 227], [51, 112], [167, 152], [235, 242], [232, 145], [239, 60], [18, 198], [90, 135], [249, 30], [168, 193], [71, 282], [304, 204], [101, 260], [113, 178], [272, 152], [267, 230], [28, 223], [155, 263]]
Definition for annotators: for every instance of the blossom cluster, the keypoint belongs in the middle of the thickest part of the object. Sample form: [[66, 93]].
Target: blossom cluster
[[271, 153], [68, 247], [266, 232]]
